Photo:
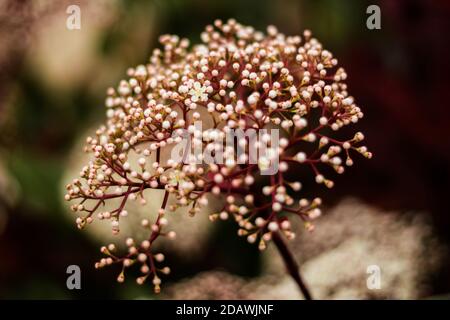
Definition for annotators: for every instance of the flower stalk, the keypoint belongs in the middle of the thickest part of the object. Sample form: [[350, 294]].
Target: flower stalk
[[290, 263]]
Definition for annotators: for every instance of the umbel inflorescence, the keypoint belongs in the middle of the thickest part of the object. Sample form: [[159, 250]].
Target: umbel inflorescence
[[238, 78]]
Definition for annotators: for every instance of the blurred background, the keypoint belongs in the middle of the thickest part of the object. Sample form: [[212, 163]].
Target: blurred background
[[391, 211]]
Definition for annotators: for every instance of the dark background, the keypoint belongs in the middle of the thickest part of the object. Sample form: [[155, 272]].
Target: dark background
[[399, 75]]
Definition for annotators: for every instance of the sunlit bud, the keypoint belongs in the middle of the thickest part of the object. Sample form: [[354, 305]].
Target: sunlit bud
[[273, 226]]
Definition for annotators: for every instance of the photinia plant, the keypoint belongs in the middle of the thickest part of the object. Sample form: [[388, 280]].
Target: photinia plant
[[280, 99]]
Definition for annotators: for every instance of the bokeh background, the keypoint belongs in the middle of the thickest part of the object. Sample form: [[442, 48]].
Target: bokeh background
[[392, 211]]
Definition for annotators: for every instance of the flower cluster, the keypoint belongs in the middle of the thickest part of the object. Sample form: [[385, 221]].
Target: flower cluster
[[238, 78]]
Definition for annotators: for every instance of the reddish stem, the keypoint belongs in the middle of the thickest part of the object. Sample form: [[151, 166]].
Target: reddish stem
[[290, 263]]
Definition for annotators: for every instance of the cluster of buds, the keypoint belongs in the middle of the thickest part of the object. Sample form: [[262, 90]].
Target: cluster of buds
[[238, 78], [137, 254]]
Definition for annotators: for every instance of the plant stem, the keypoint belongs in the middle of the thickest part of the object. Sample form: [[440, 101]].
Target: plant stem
[[290, 263]]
